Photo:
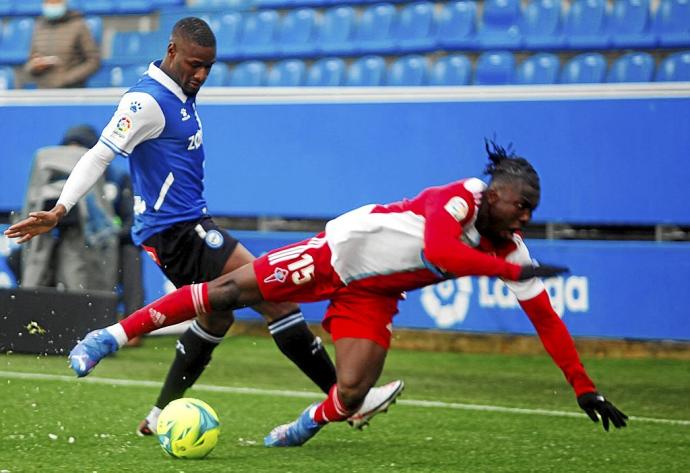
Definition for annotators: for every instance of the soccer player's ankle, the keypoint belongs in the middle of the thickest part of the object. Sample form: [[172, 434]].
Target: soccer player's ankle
[[118, 333]]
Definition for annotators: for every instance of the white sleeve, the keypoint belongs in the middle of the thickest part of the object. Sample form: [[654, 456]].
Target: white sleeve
[[85, 174], [523, 290], [138, 118]]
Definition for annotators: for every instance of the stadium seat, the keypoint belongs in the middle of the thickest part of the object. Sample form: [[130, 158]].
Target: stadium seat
[[454, 69], [584, 25], [117, 76], [297, 32], [95, 24], [541, 25], [133, 47], [632, 67], [375, 29], [219, 75], [134, 7], [499, 26], [227, 33], [629, 24], [101, 78], [6, 78], [586, 68], [414, 31], [675, 67], [410, 70], [16, 41], [456, 25], [6, 8], [99, 7], [27, 7], [249, 74], [287, 73], [327, 72], [542, 68], [336, 31], [672, 23], [366, 71], [258, 34], [495, 68]]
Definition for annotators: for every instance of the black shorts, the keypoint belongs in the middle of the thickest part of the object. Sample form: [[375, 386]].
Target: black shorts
[[191, 252]]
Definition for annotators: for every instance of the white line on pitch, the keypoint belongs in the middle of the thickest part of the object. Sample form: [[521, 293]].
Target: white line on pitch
[[313, 395]]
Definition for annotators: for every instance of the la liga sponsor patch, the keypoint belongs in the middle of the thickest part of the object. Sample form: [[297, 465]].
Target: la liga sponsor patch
[[457, 208]]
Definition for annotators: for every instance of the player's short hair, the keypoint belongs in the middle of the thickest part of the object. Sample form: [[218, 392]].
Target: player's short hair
[[196, 30], [505, 166]]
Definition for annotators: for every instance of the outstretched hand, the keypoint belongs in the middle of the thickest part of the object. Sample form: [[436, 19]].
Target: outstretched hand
[[542, 271], [36, 224], [594, 403]]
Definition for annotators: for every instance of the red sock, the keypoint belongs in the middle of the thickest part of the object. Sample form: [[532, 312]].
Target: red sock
[[332, 409], [184, 304]]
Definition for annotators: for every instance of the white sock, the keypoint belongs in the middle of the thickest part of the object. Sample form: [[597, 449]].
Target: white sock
[[152, 418], [118, 333]]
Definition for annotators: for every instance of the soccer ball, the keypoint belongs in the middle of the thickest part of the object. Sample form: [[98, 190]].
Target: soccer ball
[[188, 428]]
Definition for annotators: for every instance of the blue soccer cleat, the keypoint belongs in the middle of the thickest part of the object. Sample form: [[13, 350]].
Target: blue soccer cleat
[[295, 433], [86, 354]]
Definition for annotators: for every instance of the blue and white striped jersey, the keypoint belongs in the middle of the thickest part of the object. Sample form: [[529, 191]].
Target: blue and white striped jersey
[[157, 127]]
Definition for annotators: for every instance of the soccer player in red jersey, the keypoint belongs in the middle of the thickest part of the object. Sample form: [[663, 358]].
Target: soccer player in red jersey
[[363, 263]]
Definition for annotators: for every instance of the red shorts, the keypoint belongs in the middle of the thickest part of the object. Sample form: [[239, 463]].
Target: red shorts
[[302, 272]]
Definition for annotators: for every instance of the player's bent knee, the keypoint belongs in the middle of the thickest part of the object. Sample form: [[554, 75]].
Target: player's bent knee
[[223, 294]]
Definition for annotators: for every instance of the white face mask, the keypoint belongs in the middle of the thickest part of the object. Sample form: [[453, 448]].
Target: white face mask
[[53, 11]]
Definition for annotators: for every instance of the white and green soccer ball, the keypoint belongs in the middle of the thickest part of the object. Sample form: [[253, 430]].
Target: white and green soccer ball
[[188, 428]]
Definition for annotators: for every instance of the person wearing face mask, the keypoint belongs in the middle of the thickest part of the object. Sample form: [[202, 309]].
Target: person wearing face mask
[[63, 51]]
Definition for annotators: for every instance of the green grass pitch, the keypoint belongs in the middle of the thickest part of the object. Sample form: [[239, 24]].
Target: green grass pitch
[[55, 423]]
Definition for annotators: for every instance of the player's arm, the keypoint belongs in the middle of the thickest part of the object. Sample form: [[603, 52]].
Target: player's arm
[[446, 209], [137, 118], [558, 343]]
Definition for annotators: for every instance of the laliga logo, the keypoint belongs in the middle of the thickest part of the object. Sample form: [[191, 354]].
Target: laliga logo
[[448, 302]]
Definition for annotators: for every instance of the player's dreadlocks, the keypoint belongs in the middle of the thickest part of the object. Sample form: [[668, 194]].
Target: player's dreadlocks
[[505, 165], [196, 30]]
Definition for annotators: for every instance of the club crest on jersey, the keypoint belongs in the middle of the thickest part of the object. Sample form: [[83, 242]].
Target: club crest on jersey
[[279, 275], [214, 239], [457, 208], [185, 116], [135, 106]]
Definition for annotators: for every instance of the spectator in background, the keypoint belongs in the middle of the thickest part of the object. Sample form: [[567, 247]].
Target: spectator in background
[[63, 50]]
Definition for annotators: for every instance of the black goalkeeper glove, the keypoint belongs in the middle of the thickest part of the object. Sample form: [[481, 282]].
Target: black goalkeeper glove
[[542, 271], [594, 403]]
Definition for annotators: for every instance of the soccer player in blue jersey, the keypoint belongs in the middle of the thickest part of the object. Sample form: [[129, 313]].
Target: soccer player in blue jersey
[[157, 127]]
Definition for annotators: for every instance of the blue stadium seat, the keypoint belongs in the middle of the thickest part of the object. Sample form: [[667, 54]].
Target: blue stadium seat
[[585, 23], [586, 68], [632, 67], [454, 69], [258, 34], [336, 31], [675, 67], [249, 74], [27, 7], [495, 68], [366, 71], [457, 25], [297, 32], [6, 7], [327, 72], [541, 26], [228, 33], [16, 41], [219, 75], [542, 68], [672, 23], [414, 30], [99, 7], [375, 29], [500, 25], [134, 47], [410, 70], [95, 24], [6, 78], [117, 76], [134, 7], [101, 78], [287, 73], [629, 24]]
